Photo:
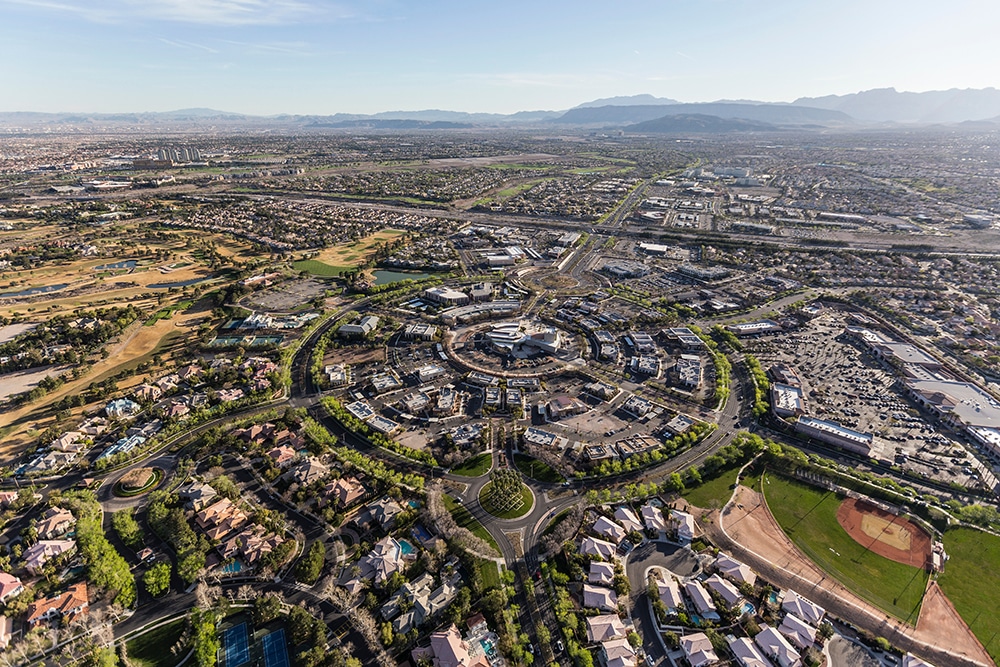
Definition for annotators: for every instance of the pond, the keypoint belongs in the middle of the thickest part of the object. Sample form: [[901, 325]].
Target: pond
[[385, 277], [124, 264], [34, 290]]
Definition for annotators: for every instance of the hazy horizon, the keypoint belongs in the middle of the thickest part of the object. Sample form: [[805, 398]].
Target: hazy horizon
[[313, 57]]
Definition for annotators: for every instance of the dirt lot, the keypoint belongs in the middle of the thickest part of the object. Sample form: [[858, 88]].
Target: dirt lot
[[752, 534]]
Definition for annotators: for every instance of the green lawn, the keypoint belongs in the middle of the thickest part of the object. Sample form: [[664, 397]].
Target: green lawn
[[971, 580], [475, 467], [808, 516], [525, 507], [713, 493], [465, 519], [489, 572], [536, 469], [153, 648], [318, 268]]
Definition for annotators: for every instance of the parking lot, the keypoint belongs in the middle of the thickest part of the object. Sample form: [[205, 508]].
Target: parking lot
[[843, 383]]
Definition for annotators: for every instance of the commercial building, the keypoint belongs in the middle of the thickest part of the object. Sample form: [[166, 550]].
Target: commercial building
[[754, 328], [836, 434], [446, 296], [787, 401], [689, 371], [367, 325], [420, 331]]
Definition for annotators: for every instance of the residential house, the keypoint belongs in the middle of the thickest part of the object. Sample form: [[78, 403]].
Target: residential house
[[800, 633], [684, 525], [122, 408], [71, 441], [384, 512], [147, 393], [810, 612], [627, 518], [345, 491], [698, 649], [604, 627], [41, 552], [670, 596], [702, 600], [746, 653], [65, 606], [601, 573], [598, 597], [775, 647], [220, 519], [307, 472], [10, 586], [282, 456], [56, 522], [618, 653], [652, 517], [591, 546], [605, 527], [729, 593], [197, 494], [448, 650], [385, 559], [735, 570]]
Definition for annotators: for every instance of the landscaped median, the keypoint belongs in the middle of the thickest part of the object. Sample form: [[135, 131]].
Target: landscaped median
[[505, 496]]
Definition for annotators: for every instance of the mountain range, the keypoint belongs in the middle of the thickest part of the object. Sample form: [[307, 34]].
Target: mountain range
[[886, 107]]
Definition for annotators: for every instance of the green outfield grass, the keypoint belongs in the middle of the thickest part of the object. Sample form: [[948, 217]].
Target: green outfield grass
[[714, 493], [808, 515], [971, 580]]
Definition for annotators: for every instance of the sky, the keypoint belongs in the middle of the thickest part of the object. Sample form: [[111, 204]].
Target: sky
[[363, 56]]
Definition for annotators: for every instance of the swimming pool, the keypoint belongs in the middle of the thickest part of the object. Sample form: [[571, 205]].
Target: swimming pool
[[233, 568], [747, 608], [406, 548]]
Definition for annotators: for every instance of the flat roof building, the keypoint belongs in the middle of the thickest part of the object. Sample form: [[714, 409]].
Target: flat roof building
[[836, 434]]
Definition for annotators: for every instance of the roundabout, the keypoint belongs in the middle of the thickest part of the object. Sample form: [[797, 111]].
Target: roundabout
[[505, 496], [137, 482]]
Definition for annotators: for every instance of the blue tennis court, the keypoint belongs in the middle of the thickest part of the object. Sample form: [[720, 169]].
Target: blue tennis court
[[236, 645], [275, 653]]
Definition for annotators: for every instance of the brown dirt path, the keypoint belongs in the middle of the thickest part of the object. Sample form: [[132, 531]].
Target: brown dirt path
[[749, 531]]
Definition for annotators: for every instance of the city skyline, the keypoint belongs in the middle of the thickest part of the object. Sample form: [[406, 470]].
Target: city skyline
[[268, 57]]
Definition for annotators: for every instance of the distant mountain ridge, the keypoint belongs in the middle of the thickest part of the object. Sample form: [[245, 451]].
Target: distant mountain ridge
[[627, 101], [776, 114], [696, 123], [935, 106], [968, 108]]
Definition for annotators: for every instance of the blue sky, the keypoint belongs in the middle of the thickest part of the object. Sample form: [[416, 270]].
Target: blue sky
[[364, 56]]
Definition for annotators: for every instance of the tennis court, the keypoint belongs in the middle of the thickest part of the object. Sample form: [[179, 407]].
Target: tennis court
[[275, 652], [236, 646]]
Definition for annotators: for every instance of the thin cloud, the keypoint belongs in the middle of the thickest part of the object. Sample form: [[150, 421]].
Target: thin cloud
[[202, 12], [187, 45]]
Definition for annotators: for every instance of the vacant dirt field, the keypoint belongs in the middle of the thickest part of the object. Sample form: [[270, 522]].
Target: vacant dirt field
[[748, 530]]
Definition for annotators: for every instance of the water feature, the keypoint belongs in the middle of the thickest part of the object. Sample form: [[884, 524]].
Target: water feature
[[406, 548], [31, 291], [383, 277], [124, 264]]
